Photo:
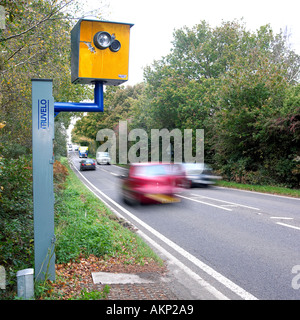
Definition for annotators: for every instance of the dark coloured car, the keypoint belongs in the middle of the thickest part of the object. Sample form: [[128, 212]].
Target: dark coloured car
[[87, 164], [200, 174], [153, 183]]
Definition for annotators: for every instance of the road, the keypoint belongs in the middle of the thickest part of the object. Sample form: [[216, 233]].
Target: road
[[237, 244]]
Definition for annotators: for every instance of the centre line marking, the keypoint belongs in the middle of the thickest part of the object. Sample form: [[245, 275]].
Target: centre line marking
[[233, 203], [288, 225], [209, 204]]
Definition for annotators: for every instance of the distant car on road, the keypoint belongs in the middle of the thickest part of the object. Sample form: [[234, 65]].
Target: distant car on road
[[87, 164], [153, 183], [83, 152], [103, 158], [200, 174]]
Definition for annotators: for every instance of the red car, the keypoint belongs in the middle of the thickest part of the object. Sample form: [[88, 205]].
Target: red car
[[153, 183]]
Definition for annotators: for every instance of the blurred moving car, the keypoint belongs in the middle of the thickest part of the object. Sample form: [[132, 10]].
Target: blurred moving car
[[103, 158], [87, 164], [153, 183], [200, 174]]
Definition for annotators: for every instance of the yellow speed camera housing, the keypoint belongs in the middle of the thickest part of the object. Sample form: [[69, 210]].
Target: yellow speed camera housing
[[100, 52]]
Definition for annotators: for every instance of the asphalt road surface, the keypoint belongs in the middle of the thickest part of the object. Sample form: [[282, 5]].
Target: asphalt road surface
[[234, 244]]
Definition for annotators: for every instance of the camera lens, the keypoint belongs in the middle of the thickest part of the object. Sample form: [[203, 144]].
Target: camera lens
[[102, 40], [115, 46]]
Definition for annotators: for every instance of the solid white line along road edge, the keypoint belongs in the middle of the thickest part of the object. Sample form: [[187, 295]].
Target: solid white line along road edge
[[201, 265]]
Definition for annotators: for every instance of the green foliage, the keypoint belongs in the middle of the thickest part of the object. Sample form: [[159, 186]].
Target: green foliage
[[81, 236], [60, 141], [118, 105], [16, 218], [16, 183], [241, 88], [35, 44], [84, 226], [261, 188], [93, 295], [79, 230]]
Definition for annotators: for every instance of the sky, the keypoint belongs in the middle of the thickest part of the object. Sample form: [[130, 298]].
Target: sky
[[155, 21]]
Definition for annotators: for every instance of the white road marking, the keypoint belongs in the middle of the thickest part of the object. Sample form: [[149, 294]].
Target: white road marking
[[201, 265], [229, 205], [187, 270], [232, 203], [282, 218], [114, 174], [119, 167], [288, 225], [209, 204]]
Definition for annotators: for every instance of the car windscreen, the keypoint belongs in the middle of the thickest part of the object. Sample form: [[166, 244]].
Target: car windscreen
[[151, 171], [103, 154], [194, 168], [88, 161]]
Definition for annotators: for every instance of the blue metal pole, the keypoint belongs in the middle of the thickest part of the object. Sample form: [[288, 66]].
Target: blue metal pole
[[43, 195], [96, 106]]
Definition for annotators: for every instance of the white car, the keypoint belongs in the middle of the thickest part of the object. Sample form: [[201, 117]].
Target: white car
[[103, 158]]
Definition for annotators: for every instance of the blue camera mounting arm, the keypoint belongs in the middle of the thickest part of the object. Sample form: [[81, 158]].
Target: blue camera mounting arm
[[96, 106]]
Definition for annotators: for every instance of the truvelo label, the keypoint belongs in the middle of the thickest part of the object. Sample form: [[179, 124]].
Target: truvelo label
[[43, 114]]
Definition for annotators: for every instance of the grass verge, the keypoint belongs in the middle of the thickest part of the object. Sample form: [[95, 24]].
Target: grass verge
[[264, 189], [84, 226], [87, 230]]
